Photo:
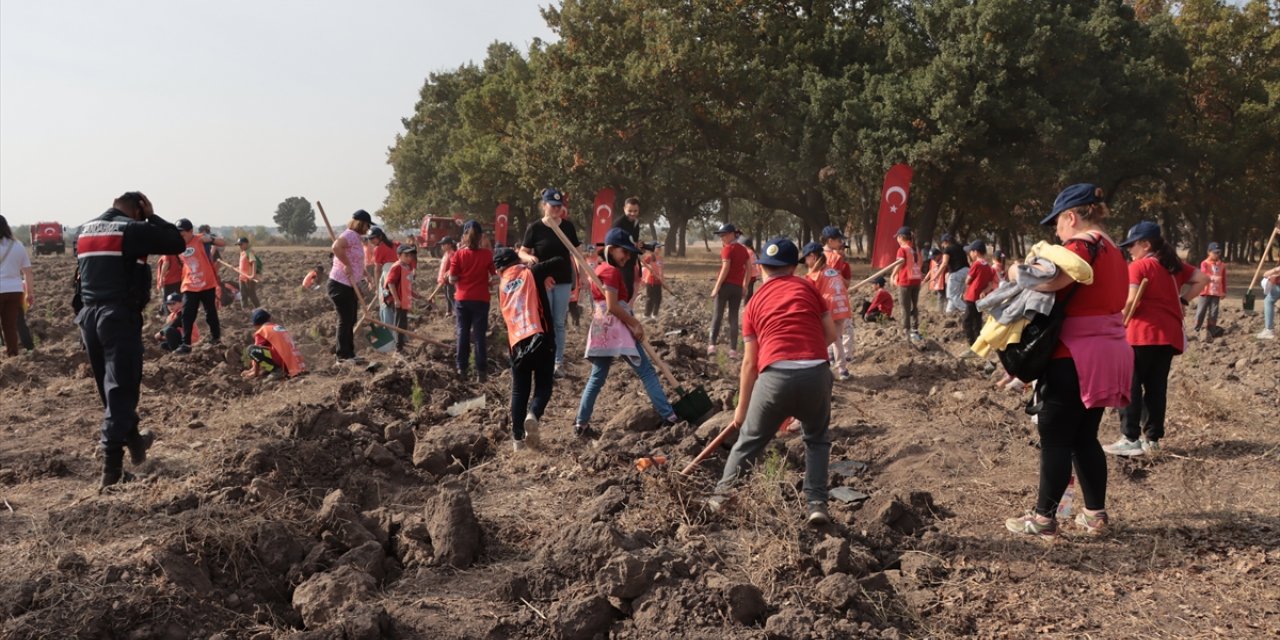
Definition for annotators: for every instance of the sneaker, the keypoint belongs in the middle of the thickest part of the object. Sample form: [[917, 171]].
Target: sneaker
[[818, 516], [517, 445], [584, 431], [915, 335], [711, 349], [138, 446], [183, 349], [461, 373], [1033, 525], [531, 429], [844, 374], [1092, 524], [558, 374], [718, 502], [1267, 334], [1124, 447], [1150, 447], [733, 354]]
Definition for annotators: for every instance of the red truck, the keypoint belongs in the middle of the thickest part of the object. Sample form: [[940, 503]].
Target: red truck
[[436, 228], [46, 237]]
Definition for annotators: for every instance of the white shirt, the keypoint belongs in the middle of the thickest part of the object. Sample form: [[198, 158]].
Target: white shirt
[[12, 266]]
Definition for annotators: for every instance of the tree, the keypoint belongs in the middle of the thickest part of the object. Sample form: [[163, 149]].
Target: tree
[[295, 218]]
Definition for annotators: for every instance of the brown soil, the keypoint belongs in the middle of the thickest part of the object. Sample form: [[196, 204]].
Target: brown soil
[[349, 504]]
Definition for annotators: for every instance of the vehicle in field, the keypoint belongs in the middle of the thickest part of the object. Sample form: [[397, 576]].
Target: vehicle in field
[[46, 237], [436, 228]]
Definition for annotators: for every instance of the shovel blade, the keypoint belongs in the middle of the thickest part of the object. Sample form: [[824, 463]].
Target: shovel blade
[[381, 339], [694, 406]]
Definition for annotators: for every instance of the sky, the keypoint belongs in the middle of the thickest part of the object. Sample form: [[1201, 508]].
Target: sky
[[218, 111]]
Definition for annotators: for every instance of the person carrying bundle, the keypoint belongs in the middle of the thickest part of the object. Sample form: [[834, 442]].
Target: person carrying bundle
[[526, 310]]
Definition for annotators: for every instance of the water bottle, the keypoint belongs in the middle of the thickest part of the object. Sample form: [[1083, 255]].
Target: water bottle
[[1068, 497]]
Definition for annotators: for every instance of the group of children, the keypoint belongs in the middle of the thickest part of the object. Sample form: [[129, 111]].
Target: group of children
[[191, 280]]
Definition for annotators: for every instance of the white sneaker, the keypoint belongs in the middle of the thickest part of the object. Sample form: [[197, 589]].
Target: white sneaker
[[1124, 447], [1267, 334], [517, 445], [1150, 447], [531, 430]]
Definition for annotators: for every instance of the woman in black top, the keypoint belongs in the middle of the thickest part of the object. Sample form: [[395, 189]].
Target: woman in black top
[[540, 243]]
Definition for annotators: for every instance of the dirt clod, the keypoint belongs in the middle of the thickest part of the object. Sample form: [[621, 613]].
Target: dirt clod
[[746, 603], [456, 536], [583, 618], [323, 596]]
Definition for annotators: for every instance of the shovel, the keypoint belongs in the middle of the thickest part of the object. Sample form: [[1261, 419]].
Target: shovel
[[878, 274], [693, 405], [1248, 293], [378, 336]]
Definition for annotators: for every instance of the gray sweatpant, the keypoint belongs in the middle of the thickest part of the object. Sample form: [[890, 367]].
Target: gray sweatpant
[[804, 394], [955, 290]]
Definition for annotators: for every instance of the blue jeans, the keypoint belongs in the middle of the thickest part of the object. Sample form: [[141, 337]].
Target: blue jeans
[[600, 372], [558, 297], [1269, 308], [473, 326]]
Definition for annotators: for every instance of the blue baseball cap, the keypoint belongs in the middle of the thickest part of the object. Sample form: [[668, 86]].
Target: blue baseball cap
[[472, 224], [903, 232], [812, 247], [553, 196], [362, 216], [880, 281], [946, 237], [446, 240], [1145, 230], [173, 298], [1213, 246], [620, 238], [779, 252], [505, 257], [726, 228], [832, 231], [977, 245], [1073, 196], [184, 224], [260, 316]]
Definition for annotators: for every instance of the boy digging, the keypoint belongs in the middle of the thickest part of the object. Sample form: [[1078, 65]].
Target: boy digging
[[784, 374], [273, 351]]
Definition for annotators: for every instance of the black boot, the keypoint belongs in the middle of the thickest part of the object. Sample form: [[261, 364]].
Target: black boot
[[113, 469], [138, 445]]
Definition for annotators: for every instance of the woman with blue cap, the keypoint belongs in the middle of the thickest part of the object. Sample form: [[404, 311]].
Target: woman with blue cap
[[1091, 369], [541, 243]]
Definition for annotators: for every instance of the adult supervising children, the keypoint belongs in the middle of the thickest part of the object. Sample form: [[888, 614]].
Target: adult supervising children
[[784, 373], [346, 273], [727, 291], [115, 286], [615, 332], [541, 243], [200, 285], [1091, 369], [471, 272], [1155, 331]]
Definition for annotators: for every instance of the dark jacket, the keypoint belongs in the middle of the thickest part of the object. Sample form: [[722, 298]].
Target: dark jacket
[[111, 254]]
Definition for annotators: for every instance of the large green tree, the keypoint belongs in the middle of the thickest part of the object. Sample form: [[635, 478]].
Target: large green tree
[[295, 218]]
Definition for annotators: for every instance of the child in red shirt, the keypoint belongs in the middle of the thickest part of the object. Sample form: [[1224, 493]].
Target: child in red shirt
[[831, 286], [398, 288], [980, 281], [447, 248], [786, 329], [1207, 308], [652, 278], [526, 310], [471, 271], [881, 305], [908, 276], [730, 283], [273, 350], [833, 250]]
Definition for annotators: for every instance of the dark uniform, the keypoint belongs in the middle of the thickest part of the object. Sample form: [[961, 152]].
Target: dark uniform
[[115, 286]]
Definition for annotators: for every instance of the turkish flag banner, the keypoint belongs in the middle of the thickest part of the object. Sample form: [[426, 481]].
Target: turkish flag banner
[[893, 210], [500, 220], [602, 215]]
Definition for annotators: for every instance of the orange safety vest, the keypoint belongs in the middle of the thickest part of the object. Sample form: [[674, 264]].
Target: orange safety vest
[[310, 280], [405, 288], [1217, 272], [831, 285], [282, 345], [835, 260], [652, 266], [937, 279], [753, 269], [518, 299], [198, 273], [246, 266], [910, 270]]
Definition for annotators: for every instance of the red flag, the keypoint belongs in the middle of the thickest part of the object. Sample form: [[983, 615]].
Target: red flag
[[893, 210], [500, 224], [602, 218]]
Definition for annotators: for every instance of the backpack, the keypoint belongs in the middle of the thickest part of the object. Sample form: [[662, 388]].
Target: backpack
[[1028, 359], [257, 264]]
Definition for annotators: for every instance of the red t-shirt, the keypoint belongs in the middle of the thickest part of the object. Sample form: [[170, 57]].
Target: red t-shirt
[[173, 269], [1110, 288], [385, 254], [909, 273], [980, 275], [611, 277], [882, 302], [737, 256], [472, 268], [1157, 320], [1217, 273], [785, 318]]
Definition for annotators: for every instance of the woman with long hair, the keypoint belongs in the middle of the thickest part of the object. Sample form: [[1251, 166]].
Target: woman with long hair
[[1091, 368], [541, 243], [1155, 331], [16, 285], [471, 271], [347, 272]]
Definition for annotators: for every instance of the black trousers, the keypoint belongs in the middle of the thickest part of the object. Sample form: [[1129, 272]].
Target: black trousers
[[1150, 390], [344, 302], [112, 336], [402, 321], [249, 294], [652, 299], [262, 356], [1068, 432], [191, 303], [532, 375], [728, 299], [972, 322]]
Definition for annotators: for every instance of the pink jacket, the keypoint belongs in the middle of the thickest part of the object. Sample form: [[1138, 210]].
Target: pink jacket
[[1103, 357]]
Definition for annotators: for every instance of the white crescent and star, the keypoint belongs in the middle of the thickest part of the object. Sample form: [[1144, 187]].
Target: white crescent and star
[[893, 208], [608, 210]]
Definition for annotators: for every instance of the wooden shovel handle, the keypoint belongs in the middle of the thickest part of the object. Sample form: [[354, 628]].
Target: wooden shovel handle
[[1142, 288], [1265, 253], [406, 332], [878, 273], [233, 268], [715, 444]]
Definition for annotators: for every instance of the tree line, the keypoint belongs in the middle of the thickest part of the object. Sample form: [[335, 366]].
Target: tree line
[[783, 116]]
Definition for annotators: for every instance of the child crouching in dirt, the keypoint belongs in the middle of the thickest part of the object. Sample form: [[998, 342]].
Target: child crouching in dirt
[[313, 278], [784, 374], [881, 304], [831, 286], [398, 288], [273, 350], [614, 332], [170, 335], [527, 313]]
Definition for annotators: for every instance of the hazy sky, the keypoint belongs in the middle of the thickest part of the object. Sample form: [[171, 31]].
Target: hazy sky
[[220, 110]]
